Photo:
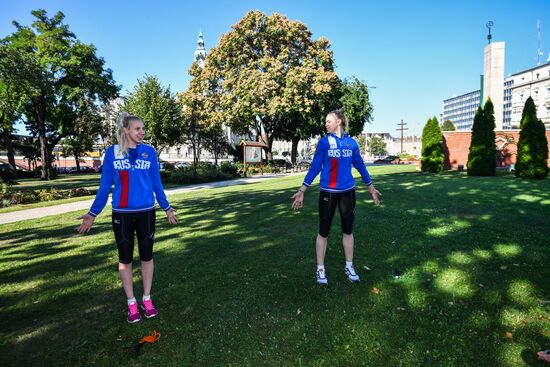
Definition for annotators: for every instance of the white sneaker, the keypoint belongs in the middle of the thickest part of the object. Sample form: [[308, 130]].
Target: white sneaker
[[351, 274], [321, 277]]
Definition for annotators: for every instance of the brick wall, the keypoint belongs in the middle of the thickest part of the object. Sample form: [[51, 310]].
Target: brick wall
[[456, 145]]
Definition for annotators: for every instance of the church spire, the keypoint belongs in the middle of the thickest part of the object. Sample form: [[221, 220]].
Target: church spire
[[200, 52]]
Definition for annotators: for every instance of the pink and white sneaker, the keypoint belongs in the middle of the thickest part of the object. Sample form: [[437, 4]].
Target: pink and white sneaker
[[149, 308], [133, 313]]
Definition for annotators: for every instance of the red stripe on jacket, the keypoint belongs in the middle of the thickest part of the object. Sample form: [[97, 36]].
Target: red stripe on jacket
[[333, 173], [125, 182]]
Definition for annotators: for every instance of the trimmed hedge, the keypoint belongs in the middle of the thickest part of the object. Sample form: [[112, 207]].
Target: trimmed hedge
[[482, 156], [9, 197], [532, 159], [432, 147]]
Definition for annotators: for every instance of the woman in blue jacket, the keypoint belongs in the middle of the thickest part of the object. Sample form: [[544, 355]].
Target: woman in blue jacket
[[133, 168], [336, 153]]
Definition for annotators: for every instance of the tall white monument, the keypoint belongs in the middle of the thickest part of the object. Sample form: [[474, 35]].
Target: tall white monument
[[493, 77]]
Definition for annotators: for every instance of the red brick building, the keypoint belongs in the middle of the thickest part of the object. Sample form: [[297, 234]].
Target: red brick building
[[456, 145]]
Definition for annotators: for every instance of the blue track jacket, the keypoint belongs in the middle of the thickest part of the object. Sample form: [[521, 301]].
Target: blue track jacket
[[134, 184], [333, 158]]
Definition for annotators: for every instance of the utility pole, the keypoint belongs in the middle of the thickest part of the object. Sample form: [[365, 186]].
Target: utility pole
[[402, 128]]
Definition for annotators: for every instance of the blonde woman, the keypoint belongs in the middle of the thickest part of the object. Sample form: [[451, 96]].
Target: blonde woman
[[133, 169], [336, 153]]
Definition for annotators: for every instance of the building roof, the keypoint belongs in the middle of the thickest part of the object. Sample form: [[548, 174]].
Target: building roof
[[532, 69]]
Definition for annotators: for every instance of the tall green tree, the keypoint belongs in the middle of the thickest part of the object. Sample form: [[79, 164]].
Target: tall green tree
[[532, 156], [377, 146], [160, 111], [264, 71], [356, 104], [482, 155], [448, 126], [432, 147], [15, 70], [65, 72]]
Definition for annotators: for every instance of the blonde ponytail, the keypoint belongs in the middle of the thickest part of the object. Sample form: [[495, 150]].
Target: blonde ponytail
[[124, 122]]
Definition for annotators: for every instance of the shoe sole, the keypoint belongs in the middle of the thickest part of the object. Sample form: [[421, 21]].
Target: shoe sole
[[134, 321]]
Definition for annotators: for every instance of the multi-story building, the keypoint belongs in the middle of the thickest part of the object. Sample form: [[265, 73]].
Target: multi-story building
[[534, 83], [460, 110]]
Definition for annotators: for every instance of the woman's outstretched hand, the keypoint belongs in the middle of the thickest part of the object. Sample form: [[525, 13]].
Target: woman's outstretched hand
[[298, 200], [171, 214], [87, 222], [375, 195]]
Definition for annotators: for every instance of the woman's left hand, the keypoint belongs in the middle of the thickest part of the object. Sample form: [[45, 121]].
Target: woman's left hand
[[171, 214], [375, 195], [298, 200]]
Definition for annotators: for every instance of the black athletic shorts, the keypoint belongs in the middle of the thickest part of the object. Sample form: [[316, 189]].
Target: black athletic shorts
[[143, 224], [328, 201]]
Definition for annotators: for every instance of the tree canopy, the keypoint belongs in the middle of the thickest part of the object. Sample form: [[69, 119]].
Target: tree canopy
[[159, 110], [265, 73], [448, 126], [64, 74]]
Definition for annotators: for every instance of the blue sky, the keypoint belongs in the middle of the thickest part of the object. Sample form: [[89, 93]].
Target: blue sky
[[416, 53]]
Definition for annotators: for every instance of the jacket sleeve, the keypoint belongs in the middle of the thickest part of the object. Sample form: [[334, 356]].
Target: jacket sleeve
[[157, 184], [317, 163], [359, 165], [107, 179]]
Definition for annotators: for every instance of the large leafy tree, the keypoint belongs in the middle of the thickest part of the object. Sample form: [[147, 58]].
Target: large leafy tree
[[159, 110], [65, 72], [266, 72], [532, 158], [432, 147], [482, 155]]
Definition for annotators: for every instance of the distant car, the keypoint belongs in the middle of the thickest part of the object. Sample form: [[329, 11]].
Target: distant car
[[83, 169], [391, 159], [182, 164]]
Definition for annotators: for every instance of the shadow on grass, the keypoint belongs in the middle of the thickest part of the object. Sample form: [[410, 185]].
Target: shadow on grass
[[235, 281]]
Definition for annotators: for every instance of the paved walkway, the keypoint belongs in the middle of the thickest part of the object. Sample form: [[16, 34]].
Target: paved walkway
[[85, 204]]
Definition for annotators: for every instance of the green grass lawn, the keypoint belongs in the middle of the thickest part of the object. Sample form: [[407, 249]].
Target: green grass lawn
[[235, 286]]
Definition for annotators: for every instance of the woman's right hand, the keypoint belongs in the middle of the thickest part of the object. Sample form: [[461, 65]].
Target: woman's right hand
[[87, 222], [298, 200]]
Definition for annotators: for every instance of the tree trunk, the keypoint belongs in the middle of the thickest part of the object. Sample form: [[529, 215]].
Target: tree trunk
[[216, 149], [269, 148], [294, 152], [6, 138], [77, 160], [45, 175]]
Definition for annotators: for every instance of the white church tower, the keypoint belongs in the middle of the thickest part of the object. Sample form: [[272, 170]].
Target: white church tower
[[200, 52]]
